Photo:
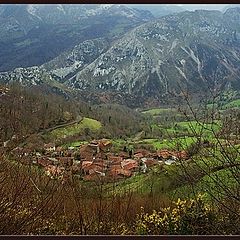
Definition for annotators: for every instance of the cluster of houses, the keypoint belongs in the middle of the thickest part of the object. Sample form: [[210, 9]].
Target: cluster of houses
[[95, 160]]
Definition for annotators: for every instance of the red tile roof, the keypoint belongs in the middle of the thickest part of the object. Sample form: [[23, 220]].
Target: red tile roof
[[121, 172], [101, 163], [115, 159], [123, 154], [104, 144], [181, 155], [150, 162], [167, 154], [92, 168], [164, 154], [115, 167], [86, 164], [86, 153], [127, 161], [138, 155], [144, 152], [129, 164]]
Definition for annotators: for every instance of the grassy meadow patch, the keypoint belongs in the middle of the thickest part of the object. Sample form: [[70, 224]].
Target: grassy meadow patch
[[232, 104], [87, 123]]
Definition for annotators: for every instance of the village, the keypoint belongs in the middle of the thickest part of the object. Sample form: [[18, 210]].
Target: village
[[95, 161]]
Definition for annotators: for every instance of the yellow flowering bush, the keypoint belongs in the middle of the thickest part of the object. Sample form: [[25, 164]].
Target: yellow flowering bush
[[192, 216]]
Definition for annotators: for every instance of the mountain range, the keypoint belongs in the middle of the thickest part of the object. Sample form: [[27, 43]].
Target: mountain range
[[34, 34], [103, 49]]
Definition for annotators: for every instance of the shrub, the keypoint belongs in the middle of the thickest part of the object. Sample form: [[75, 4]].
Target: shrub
[[184, 217]]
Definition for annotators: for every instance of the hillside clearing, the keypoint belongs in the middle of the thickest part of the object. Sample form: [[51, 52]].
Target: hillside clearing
[[87, 123]]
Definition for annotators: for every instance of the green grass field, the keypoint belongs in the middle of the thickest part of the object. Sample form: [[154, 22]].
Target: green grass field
[[161, 111], [166, 180], [173, 143], [181, 136], [156, 181], [75, 144], [170, 181], [189, 128], [158, 111], [180, 143], [198, 127], [86, 123], [232, 104], [215, 185]]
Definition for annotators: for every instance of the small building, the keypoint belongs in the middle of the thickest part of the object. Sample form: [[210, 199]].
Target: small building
[[105, 145], [123, 155], [85, 167], [86, 153], [164, 154], [54, 161], [59, 149], [117, 173], [86, 163], [182, 155], [102, 163], [138, 155], [50, 147], [143, 167], [150, 162], [144, 152], [17, 152], [130, 164], [169, 161], [114, 160], [38, 154], [94, 146], [20, 152], [92, 169]]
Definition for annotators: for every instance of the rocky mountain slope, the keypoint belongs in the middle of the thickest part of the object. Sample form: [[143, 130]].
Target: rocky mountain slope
[[230, 6], [158, 10], [32, 34], [60, 68], [197, 52]]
